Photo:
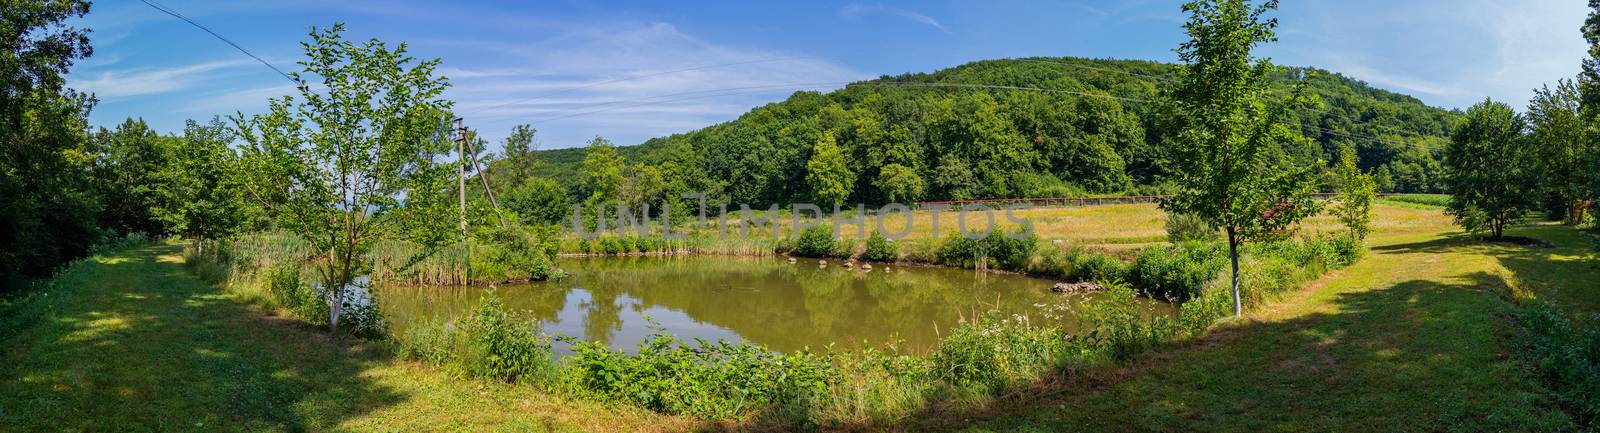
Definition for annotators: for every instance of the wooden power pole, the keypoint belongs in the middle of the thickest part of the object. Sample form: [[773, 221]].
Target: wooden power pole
[[461, 171]]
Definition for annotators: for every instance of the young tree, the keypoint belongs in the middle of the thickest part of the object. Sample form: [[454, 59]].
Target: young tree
[[520, 159], [202, 197], [1489, 169], [830, 179], [1226, 127], [352, 161], [1564, 147], [1357, 190]]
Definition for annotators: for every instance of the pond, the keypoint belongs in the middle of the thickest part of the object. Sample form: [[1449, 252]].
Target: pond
[[765, 300]]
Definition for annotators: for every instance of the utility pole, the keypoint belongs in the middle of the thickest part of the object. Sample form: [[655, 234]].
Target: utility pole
[[461, 187], [461, 171]]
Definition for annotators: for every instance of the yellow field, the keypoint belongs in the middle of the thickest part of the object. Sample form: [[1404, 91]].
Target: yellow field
[[1117, 226]]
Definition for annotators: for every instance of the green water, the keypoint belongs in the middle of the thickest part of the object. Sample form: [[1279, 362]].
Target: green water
[[770, 301]]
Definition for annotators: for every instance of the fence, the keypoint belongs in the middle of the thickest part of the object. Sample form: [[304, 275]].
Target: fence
[[996, 203]]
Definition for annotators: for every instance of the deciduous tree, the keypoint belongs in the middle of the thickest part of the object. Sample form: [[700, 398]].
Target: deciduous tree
[[1489, 169], [1227, 124], [352, 160]]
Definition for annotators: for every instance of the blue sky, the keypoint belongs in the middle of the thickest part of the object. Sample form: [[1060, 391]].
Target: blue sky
[[617, 69]]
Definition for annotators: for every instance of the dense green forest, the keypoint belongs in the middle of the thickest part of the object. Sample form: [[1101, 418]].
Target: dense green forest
[[960, 133]]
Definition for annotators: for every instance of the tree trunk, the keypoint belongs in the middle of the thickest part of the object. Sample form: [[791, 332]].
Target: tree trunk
[[1233, 256]]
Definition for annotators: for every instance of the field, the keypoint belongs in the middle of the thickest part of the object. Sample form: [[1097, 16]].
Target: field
[[1413, 338]]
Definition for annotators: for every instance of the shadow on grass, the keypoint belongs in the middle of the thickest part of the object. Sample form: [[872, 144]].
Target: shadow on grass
[[1421, 354], [135, 342]]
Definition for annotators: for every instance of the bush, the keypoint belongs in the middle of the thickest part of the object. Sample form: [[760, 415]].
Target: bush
[[993, 354], [880, 249], [502, 347], [1099, 267], [996, 248], [1178, 271], [431, 341], [1566, 357], [718, 380], [1189, 228], [815, 241]]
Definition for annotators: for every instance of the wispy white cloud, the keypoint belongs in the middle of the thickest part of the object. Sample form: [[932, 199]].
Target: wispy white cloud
[[1397, 82], [631, 80], [856, 10], [149, 81]]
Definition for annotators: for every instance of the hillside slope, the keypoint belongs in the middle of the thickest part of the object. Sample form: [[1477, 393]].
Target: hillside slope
[[957, 134]]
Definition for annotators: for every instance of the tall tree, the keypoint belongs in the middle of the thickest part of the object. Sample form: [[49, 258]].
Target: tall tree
[[128, 168], [352, 162], [202, 197], [1489, 169], [47, 212], [830, 179], [1227, 126], [1564, 147]]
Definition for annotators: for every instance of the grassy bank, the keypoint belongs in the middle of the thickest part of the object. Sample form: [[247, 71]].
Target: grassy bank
[[129, 340]]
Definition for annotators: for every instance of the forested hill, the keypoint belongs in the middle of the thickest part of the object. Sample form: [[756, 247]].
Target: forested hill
[[962, 133]]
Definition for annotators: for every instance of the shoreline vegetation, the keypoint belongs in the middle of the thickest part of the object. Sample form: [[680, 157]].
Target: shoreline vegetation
[[986, 357]]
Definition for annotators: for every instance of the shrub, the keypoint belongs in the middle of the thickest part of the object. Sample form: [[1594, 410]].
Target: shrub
[[1005, 252], [710, 380], [284, 287], [815, 241], [431, 341], [993, 353], [502, 347], [1177, 271], [1189, 228], [1120, 328], [880, 249], [1566, 357], [1099, 267]]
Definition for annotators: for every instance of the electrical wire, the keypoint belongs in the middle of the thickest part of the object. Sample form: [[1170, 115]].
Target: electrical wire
[[177, 15]]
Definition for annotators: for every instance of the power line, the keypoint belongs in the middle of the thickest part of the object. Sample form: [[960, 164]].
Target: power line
[[218, 36]]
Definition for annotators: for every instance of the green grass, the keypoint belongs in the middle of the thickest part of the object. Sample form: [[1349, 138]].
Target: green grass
[[131, 341], [1414, 338]]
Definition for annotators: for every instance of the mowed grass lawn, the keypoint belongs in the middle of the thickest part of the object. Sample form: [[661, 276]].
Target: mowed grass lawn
[[1413, 338], [133, 342]]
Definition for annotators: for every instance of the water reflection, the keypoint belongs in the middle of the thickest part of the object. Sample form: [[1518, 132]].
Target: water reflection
[[770, 301]]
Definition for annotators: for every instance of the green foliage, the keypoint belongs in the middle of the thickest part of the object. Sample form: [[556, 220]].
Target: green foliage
[[367, 145], [815, 241], [900, 184], [1185, 228], [491, 342], [1228, 123], [826, 173], [719, 380], [995, 354], [1563, 149], [1099, 267], [1490, 169], [48, 206], [202, 196], [1566, 357], [880, 249], [539, 201], [1357, 191], [502, 347], [1177, 272], [995, 249]]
